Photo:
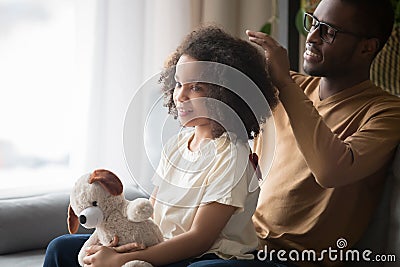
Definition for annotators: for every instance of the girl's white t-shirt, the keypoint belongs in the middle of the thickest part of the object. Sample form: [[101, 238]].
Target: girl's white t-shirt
[[220, 171]]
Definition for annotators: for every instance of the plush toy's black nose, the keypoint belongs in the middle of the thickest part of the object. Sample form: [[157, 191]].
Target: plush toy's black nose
[[82, 219]]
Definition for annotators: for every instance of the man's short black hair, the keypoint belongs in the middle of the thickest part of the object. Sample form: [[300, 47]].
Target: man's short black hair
[[375, 18]]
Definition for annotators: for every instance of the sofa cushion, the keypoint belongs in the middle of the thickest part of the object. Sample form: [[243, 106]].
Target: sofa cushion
[[393, 243], [375, 237], [29, 223], [383, 233]]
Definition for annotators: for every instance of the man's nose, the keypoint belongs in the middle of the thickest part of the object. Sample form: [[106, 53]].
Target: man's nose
[[314, 36]]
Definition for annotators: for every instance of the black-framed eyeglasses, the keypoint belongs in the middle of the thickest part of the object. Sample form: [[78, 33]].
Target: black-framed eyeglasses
[[326, 31]]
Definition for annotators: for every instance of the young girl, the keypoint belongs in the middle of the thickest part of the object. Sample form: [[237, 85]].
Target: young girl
[[204, 194]]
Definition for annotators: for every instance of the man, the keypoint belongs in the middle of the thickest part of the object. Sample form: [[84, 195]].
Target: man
[[336, 134]]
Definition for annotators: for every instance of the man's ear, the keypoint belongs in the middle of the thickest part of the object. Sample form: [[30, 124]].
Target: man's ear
[[370, 46]]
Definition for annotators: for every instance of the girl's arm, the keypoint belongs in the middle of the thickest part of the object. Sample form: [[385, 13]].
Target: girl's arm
[[209, 221]]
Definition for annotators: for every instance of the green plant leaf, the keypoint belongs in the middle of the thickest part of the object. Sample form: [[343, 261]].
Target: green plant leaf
[[266, 28], [396, 8], [299, 21]]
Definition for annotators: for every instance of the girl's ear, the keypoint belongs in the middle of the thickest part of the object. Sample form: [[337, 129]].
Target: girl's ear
[[73, 223], [108, 180]]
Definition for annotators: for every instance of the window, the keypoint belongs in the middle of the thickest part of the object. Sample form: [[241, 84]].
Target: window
[[37, 52]]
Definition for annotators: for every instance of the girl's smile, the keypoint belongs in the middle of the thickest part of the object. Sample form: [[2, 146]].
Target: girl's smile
[[189, 95], [183, 111]]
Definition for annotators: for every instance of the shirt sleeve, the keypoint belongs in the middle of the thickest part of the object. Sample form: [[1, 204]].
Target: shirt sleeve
[[333, 161], [228, 180]]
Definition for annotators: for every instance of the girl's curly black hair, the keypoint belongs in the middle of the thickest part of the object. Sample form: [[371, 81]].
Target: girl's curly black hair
[[210, 43]]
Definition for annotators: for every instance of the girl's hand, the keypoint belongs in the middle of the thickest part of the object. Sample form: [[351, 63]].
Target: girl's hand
[[102, 256], [277, 58], [130, 247], [108, 255]]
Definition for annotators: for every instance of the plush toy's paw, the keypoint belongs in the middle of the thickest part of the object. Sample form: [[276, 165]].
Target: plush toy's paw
[[139, 210], [137, 264]]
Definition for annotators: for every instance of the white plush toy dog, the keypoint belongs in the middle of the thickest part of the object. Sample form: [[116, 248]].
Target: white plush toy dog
[[97, 202]]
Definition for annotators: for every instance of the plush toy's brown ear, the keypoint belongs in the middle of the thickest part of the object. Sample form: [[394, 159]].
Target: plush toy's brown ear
[[73, 223], [108, 180]]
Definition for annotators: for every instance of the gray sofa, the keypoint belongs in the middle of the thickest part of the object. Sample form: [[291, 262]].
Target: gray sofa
[[383, 234], [28, 223]]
